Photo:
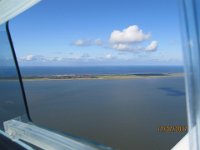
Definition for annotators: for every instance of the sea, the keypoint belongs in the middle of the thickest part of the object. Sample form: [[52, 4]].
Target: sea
[[45, 71], [125, 114]]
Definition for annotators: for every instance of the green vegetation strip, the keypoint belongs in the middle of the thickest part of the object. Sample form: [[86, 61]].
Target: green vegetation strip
[[108, 77]]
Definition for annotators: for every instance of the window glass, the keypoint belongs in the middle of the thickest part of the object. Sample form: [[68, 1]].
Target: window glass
[[11, 98], [107, 71]]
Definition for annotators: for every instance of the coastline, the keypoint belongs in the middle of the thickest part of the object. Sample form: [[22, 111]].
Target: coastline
[[103, 77]]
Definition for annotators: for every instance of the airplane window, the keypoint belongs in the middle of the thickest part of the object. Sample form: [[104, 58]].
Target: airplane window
[[110, 72], [11, 97]]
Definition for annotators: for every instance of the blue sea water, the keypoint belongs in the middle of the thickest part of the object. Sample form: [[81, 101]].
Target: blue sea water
[[45, 71], [124, 114]]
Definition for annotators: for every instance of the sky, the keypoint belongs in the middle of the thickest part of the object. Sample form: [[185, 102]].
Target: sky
[[98, 32]]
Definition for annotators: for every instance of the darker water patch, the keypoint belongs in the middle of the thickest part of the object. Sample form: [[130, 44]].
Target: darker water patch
[[172, 92]]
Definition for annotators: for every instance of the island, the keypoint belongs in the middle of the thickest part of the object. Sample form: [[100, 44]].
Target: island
[[103, 76]]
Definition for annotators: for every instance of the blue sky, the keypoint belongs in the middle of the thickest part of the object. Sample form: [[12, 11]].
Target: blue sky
[[98, 32]]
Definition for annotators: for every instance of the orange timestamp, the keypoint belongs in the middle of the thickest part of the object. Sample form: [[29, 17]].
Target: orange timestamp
[[170, 128]]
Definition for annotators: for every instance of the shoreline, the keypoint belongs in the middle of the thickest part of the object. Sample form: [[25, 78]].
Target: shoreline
[[103, 77]]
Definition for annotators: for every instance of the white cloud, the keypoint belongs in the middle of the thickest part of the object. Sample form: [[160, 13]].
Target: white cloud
[[121, 46], [128, 35], [31, 57], [130, 39], [39, 58], [81, 42], [84, 42], [55, 59], [136, 48], [108, 56], [152, 46], [27, 58]]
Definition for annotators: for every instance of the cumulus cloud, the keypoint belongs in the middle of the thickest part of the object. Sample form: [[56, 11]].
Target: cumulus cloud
[[39, 58], [81, 42], [108, 56], [152, 46], [84, 42], [136, 48], [120, 46], [130, 39], [55, 59], [26, 58], [30, 57], [129, 35]]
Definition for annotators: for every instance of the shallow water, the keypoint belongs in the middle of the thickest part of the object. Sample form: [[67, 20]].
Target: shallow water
[[124, 114]]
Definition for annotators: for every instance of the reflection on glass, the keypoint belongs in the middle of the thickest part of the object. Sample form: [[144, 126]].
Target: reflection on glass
[[190, 20], [11, 98]]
